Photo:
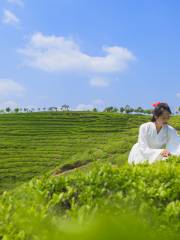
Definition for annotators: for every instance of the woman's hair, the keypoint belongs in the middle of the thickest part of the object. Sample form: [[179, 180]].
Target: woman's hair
[[159, 109]]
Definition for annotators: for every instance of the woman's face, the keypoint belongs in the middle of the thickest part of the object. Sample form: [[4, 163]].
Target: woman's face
[[163, 119]]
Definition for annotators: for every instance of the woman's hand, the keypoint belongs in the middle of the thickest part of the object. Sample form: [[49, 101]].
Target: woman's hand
[[165, 153]]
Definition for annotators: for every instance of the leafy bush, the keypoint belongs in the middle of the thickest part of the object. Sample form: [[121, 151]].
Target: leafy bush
[[151, 191]]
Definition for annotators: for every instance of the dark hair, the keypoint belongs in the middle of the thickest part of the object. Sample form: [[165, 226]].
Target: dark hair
[[159, 109]]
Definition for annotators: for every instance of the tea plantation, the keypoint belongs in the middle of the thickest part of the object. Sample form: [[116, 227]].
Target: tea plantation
[[105, 199], [32, 143]]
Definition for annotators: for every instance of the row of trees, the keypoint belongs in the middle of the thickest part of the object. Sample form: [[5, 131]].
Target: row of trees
[[128, 109], [65, 107]]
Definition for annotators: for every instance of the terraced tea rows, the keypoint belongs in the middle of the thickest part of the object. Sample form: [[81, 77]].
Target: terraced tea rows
[[33, 143], [152, 191]]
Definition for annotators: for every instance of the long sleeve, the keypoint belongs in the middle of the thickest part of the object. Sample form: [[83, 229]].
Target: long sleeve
[[173, 143], [150, 154]]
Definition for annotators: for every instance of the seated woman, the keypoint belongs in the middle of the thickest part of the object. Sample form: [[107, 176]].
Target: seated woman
[[156, 140]]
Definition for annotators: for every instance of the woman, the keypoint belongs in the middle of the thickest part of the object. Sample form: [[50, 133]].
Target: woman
[[156, 140]]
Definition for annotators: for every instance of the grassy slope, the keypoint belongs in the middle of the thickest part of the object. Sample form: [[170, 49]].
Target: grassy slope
[[155, 182], [33, 143]]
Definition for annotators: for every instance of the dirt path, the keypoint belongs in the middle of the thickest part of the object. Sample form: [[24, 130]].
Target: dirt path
[[70, 167]]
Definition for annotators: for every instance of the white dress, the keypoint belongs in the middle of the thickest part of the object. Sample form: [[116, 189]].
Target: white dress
[[150, 143]]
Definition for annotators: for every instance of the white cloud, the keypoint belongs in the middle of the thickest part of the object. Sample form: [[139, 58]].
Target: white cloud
[[9, 87], [84, 107], [57, 53], [99, 82], [10, 18], [17, 2]]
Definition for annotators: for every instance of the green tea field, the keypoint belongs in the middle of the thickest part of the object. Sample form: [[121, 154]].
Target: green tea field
[[32, 143], [38, 201]]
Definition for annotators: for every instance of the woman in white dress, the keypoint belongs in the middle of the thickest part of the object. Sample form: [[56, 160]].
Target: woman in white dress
[[156, 140]]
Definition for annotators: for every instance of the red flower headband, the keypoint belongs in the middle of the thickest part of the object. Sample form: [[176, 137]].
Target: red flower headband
[[156, 104]]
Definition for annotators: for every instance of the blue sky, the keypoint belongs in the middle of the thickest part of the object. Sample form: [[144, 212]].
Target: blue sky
[[89, 53]]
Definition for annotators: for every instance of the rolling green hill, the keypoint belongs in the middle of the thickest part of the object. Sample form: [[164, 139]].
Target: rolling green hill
[[43, 207], [33, 143]]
